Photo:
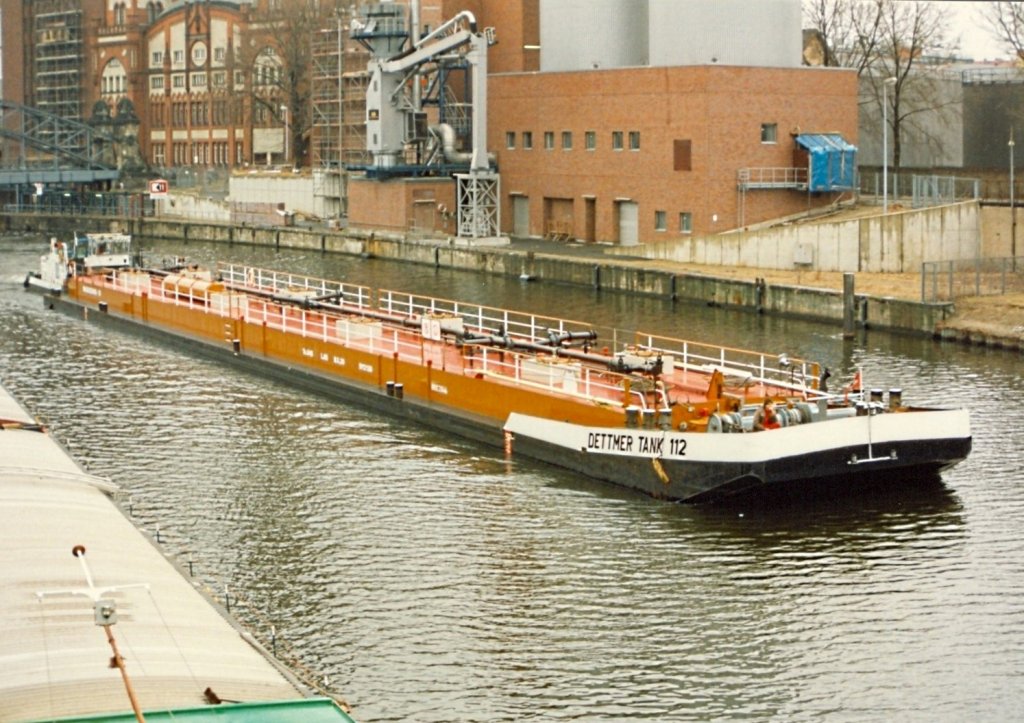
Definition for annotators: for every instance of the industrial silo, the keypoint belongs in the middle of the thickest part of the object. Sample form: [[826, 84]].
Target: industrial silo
[[765, 33], [589, 34]]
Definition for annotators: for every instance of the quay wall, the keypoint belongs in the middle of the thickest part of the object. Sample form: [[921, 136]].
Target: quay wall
[[603, 272], [898, 242]]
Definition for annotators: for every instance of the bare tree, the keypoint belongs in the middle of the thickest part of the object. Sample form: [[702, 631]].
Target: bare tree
[[277, 60], [911, 32], [1006, 25], [850, 30], [885, 40]]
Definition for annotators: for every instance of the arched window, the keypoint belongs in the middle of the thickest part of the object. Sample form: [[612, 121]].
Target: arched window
[[152, 10], [119, 14], [114, 79], [268, 68]]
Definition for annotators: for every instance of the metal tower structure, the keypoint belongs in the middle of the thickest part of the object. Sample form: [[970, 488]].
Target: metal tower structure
[[402, 75]]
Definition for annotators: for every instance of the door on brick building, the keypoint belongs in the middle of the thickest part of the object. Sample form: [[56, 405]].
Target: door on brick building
[[521, 216], [590, 220], [423, 215], [558, 219], [629, 230]]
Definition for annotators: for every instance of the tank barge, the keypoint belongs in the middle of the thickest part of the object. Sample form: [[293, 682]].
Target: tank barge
[[82, 583], [668, 417]]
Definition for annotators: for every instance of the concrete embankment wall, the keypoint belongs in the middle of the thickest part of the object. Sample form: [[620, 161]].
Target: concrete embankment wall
[[894, 243], [590, 271]]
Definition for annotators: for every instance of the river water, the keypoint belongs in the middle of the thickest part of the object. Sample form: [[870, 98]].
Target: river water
[[427, 578]]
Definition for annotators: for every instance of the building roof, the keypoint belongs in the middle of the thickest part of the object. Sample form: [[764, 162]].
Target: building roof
[[824, 142], [833, 161], [55, 660]]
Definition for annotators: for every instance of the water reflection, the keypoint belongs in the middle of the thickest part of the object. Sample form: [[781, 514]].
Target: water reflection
[[433, 580]]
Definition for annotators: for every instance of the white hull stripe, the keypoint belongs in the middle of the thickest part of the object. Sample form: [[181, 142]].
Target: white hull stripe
[[751, 448]]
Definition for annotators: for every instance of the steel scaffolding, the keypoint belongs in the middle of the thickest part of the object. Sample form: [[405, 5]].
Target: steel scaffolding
[[57, 35]]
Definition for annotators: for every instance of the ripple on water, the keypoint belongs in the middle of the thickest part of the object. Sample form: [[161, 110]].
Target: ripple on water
[[433, 580]]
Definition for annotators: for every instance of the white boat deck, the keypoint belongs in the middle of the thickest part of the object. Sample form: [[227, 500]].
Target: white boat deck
[[54, 658]]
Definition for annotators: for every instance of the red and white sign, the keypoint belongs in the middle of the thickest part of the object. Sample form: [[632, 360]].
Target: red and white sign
[[158, 188]]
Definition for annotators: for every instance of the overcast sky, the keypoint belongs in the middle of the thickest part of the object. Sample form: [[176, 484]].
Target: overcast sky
[[976, 41]]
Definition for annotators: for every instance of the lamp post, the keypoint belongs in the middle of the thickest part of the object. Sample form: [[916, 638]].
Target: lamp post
[[284, 111], [1013, 209], [885, 143]]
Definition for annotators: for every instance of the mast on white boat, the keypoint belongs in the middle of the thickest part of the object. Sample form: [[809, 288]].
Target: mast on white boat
[[105, 610]]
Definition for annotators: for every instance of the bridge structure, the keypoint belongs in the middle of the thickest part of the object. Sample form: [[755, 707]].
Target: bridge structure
[[50, 164], [37, 147]]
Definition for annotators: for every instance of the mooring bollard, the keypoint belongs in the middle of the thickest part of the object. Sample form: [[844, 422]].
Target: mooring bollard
[[848, 306]]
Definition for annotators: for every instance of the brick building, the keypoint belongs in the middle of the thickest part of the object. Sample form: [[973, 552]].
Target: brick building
[[623, 121], [619, 121], [649, 154]]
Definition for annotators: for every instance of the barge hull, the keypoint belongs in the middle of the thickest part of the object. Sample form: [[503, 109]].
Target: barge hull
[[708, 467], [466, 396], [473, 427]]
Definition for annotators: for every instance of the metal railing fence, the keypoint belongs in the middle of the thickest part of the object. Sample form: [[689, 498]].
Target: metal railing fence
[[948, 280]]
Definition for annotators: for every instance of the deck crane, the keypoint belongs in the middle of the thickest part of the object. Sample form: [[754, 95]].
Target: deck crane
[[397, 124]]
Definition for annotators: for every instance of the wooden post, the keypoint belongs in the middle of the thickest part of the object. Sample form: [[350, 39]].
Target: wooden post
[[848, 306]]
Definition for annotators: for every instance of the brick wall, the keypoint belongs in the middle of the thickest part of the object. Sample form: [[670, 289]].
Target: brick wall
[[718, 110]]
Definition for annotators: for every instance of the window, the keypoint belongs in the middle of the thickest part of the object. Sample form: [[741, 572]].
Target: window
[[219, 78], [156, 82], [566, 140], [659, 221], [220, 113], [616, 140], [527, 140], [218, 56], [114, 77], [179, 57], [634, 140], [199, 80], [156, 114], [158, 59], [119, 14], [510, 140], [682, 159], [178, 81], [158, 154], [549, 140], [199, 114], [591, 140], [769, 132], [685, 222], [199, 53]]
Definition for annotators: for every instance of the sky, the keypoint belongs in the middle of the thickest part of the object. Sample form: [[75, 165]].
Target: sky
[[976, 41]]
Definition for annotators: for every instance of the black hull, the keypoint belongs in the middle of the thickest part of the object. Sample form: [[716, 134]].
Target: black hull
[[704, 481]]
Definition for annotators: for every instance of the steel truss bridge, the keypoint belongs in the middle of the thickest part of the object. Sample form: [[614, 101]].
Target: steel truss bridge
[[39, 147]]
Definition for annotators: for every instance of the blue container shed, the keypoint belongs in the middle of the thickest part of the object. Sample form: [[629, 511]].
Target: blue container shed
[[831, 161]]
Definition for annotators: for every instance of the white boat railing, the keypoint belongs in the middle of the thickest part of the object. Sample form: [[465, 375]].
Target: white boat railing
[[478, 318], [295, 285], [776, 370], [351, 319]]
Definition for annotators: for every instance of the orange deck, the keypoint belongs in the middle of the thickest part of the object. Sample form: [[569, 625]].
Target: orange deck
[[434, 348]]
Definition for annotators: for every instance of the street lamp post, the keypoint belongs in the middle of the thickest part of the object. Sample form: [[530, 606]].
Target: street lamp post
[[1013, 209], [885, 142]]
